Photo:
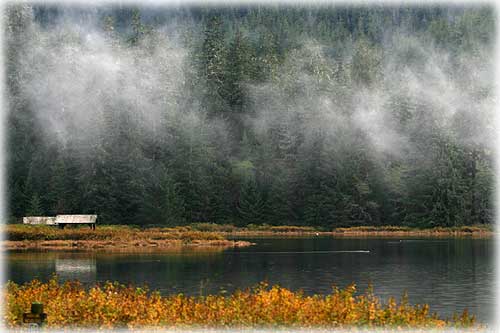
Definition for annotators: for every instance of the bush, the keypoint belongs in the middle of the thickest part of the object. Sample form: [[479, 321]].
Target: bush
[[113, 305]]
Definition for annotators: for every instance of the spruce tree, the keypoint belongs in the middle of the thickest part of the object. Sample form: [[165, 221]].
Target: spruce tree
[[35, 207], [250, 204]]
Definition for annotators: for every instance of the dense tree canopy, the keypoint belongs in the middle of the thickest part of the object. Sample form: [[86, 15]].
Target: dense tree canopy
[[323, 116]]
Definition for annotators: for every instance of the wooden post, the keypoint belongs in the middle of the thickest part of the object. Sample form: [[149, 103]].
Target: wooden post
[[36, 316], [37, 308]]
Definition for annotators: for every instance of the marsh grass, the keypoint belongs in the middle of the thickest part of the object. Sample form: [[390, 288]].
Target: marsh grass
[[113, 238], [113, 305], [457, 230], [20, 232], [121, 237], [209, 231]]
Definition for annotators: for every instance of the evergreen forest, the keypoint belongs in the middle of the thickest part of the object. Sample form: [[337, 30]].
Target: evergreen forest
[[326, 116]]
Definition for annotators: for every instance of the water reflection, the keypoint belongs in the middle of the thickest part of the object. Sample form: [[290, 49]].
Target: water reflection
[[25, 266], [83, 269], [448, 274]]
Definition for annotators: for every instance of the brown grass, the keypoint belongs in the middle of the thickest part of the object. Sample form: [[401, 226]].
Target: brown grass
[[480, 231], [30, 237]]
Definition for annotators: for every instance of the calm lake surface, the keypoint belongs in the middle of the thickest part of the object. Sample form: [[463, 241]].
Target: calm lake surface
[[448, 274]]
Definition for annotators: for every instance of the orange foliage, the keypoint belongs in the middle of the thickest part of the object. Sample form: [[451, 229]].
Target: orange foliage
[[113, 305]]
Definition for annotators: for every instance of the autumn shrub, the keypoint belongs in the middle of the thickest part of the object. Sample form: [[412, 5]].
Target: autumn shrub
[[113, 305]]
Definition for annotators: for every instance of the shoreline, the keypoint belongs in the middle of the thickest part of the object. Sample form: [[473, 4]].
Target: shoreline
[[368, 232], [199, 236], [113, 239], [119, 246], [358, 234]]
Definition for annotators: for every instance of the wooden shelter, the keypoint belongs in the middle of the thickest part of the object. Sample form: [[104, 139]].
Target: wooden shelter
[[62, 220], [39, 220]]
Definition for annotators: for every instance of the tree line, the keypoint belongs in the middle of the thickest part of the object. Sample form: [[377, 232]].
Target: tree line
[[328, 117]]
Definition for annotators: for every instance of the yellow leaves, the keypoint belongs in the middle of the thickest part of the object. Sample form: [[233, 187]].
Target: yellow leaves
[[371, 312], [113, 305]]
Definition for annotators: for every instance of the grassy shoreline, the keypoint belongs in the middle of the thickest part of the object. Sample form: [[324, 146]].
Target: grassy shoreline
[[112, 238], [129, 238], [113, 305], [463, 231], [480, 231]]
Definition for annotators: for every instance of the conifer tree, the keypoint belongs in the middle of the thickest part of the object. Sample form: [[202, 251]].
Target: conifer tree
[[35, 206]]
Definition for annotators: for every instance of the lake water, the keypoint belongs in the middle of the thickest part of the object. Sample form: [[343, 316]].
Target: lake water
[[448, 274]]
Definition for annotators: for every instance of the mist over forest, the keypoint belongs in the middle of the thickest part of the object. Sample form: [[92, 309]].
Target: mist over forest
[[327, 116]]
